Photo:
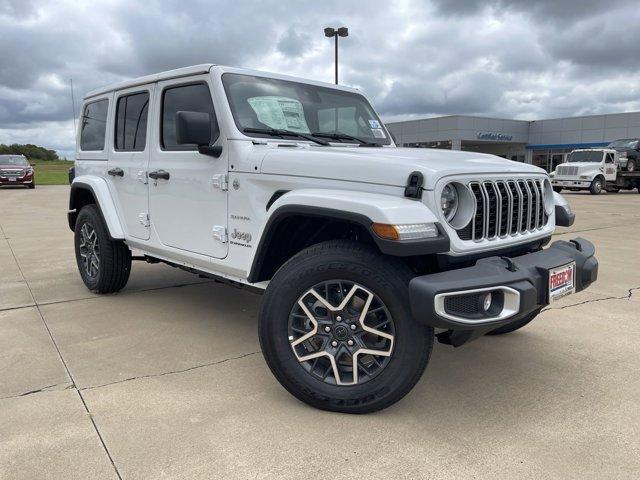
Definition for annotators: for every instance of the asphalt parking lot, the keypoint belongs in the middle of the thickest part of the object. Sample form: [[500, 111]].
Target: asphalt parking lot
[[165, 379]]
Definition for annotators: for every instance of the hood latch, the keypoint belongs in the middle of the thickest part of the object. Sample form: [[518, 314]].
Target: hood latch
[[414, 185]]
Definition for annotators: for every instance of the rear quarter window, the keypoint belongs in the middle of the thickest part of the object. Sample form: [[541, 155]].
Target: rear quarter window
[[94, 125]]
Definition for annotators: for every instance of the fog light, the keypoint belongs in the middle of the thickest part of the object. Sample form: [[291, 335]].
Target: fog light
[[488, 299]]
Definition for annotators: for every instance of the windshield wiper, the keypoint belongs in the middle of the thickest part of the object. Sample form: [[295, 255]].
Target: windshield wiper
[[344, 136], [283, 133]]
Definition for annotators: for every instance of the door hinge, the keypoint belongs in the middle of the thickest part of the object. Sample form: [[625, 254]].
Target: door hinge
[[144, 219], [220, 233], [220, 181], [142, 176]]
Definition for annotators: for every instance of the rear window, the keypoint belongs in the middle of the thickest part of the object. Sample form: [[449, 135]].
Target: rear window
[[94, 125], [131, 122]]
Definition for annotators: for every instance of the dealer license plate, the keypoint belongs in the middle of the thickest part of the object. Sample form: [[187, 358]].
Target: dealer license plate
[[562, 281]]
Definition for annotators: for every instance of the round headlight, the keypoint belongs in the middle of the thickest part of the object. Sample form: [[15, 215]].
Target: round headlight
[[449, 201]]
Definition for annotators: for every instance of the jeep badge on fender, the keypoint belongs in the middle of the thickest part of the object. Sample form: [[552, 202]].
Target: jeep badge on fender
[[362, 250]]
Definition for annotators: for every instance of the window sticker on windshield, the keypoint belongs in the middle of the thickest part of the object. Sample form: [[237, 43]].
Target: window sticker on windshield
[[280, 112], [378, 133], [374, 124]]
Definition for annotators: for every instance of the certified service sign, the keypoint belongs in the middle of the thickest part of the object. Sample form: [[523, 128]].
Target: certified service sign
[[494, 136]]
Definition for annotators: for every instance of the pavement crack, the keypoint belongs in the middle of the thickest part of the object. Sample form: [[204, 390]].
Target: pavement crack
[[594, 300], [172, 372], [40, 390], [556, 233]]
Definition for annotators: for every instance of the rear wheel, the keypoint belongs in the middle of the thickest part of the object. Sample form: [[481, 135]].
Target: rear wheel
[[631, 165], [512, 327], [336, 330], [596, 186], [104, 264]]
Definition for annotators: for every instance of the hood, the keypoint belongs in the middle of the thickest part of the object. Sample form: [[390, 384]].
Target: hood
[[581, 165], [385, 166], [4, 166]]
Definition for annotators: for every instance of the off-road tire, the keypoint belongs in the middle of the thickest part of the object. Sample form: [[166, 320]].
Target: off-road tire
[[597, 185], [631, 165], [386, 278], [114, 255], [557, 189], [512, 327]]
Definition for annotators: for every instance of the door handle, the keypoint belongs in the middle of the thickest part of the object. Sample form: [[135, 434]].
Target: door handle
[[159, 175], [116, 172]]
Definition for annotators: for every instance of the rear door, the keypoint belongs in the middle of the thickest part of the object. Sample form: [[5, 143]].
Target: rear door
[[129, 158], [188, 207]]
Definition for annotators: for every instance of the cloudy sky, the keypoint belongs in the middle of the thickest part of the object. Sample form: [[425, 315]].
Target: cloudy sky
[[526, 59]]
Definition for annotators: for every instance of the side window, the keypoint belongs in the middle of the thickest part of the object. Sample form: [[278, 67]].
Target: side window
[[131, 122], [188, 98], [94, 125], [609, 158]]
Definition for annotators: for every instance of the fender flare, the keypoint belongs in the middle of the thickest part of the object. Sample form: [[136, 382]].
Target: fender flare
[[100, 191], [356, 207]]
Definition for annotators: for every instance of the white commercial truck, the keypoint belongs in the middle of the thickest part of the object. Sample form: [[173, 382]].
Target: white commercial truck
[[596, 170]]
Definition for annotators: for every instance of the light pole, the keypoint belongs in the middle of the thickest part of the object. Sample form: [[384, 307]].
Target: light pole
[[336, 32]]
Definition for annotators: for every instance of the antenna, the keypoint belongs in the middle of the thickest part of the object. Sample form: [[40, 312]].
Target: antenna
[[73, 107]]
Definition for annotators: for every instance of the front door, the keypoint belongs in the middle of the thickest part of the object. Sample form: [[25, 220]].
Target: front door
[[188, 202], [610, 167], [129, 157]]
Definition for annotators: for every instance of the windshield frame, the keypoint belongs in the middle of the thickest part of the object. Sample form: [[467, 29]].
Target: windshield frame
[[602, 154], [388, 140]]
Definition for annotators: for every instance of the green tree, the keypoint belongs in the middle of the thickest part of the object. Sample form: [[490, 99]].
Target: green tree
[[32, 152]]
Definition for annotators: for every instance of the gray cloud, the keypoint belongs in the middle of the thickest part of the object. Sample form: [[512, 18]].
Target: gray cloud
[[511, 58]]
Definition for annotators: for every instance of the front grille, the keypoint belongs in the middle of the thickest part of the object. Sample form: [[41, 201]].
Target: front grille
[[505, 207], [566, 170], [11, 173]]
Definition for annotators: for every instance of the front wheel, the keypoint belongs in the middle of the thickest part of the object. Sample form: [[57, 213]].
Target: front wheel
[[104, 264], [336, 330], [557, 189], [596, 186]]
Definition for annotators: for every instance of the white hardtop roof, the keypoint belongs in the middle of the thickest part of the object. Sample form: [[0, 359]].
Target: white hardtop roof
[[205, 68]]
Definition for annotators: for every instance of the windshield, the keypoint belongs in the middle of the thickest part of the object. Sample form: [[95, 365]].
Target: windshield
[[267, 103], [626, 144], [16, 160], [585, 156]]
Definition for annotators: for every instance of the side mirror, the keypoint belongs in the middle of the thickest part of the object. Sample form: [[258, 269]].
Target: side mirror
[[195, 128]]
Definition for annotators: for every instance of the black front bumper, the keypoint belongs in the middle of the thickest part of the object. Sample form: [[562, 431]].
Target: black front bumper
[[526, 274]]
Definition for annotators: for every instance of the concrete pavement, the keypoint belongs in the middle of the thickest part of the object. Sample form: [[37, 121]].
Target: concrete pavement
[[165, 379]]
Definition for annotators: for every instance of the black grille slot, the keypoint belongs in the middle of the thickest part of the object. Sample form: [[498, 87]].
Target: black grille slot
[[492, 210], [504, 208], [477, 223]]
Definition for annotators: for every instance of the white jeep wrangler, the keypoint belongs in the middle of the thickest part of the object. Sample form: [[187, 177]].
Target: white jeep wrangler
[[295, 188]]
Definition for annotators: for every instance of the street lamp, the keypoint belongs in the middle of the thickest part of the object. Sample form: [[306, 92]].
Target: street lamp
[[336, 32]]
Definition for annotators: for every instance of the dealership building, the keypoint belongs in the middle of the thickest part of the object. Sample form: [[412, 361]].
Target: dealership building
[[544, 143]]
